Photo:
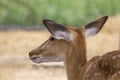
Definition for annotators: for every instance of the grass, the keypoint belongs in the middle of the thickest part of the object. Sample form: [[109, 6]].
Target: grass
[[76, 12]]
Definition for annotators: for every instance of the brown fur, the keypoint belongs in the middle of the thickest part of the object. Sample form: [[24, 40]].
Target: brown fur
[[76, 57], [106, 67]]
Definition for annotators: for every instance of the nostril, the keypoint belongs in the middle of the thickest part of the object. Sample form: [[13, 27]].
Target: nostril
[[30, 54]]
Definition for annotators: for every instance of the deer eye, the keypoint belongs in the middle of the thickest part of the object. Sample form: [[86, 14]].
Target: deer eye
[[52, 39]]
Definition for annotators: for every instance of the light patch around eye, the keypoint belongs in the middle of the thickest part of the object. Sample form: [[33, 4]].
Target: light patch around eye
[[91, 32], [63, 35]]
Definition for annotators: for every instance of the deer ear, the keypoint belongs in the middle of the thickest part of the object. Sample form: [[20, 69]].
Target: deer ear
[[57, 30], [94, 27]]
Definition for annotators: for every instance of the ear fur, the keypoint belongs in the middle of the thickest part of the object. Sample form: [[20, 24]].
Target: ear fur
[[57, 30], [94, 27]]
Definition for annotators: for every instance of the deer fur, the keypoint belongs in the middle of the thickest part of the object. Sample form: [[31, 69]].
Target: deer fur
[[69, 45]]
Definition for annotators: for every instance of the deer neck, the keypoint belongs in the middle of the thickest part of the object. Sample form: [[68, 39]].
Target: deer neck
[[76, 58]]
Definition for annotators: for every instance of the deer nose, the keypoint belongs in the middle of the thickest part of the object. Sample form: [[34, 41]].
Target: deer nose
[[32, 55], [35, 58]]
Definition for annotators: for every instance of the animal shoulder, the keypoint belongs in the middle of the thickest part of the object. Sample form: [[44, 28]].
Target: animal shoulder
[[106, 67]]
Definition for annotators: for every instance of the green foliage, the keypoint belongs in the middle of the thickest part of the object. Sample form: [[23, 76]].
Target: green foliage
[[72, 12]]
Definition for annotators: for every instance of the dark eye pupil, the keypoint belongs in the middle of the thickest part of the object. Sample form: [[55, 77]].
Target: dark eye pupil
[[52, 39]]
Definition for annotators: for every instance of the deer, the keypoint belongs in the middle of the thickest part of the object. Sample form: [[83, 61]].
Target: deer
[[68, 44]]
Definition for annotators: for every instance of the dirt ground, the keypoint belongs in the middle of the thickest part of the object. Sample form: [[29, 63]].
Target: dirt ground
[[15, 46]]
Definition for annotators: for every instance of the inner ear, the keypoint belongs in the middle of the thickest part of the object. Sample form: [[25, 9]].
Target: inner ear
[[94, 27], [57, 30], [52, 26]]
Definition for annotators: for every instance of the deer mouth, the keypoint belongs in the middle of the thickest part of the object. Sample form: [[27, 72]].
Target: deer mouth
[[40, 59], [36, 59]]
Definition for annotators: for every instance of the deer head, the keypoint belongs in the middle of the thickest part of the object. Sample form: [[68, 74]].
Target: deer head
[[61, 39]]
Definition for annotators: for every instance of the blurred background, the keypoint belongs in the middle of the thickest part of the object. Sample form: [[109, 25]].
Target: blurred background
[[21, 30]]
